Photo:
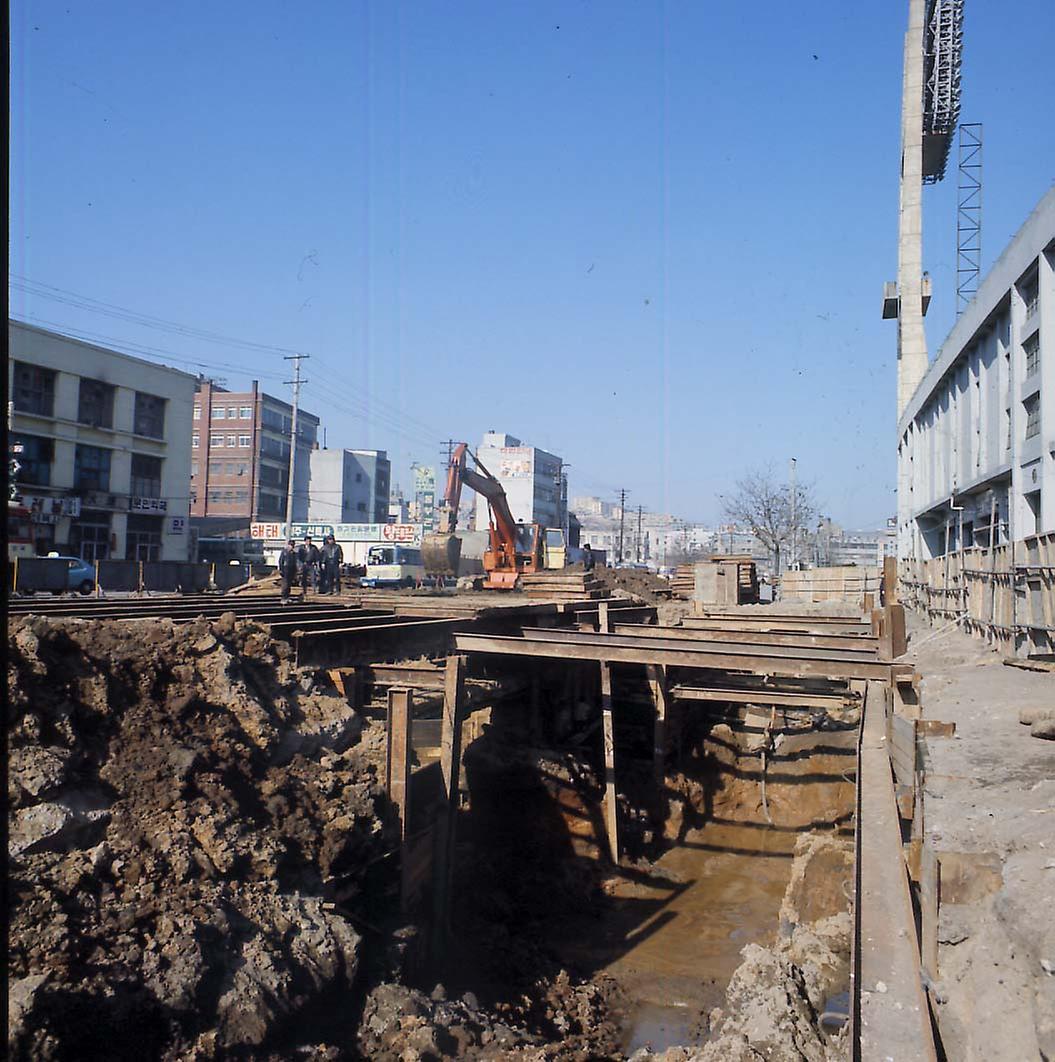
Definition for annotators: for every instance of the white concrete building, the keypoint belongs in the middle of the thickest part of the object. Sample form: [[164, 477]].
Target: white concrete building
[[105, 438], [349, 486], [977, 438], [532, 478]]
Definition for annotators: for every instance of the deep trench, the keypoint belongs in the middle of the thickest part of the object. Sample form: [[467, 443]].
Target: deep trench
[[705, 857]]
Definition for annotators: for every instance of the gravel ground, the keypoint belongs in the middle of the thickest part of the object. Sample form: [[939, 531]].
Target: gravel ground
[[991, 789]]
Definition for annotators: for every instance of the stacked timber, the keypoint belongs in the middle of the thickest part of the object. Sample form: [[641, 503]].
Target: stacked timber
[[683, 583], [847, 583], [562, 586], [722, 580]]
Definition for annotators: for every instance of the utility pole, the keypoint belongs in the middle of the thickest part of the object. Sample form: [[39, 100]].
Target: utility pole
[[794, 517], [622, 515], [296, 384], [637, 545], [450, 445]]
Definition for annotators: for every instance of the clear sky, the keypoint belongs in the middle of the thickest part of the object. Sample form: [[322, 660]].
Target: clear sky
[[651, 238]]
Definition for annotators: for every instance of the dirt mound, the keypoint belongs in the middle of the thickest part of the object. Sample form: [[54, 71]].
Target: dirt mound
[[640, 584], [185, 815]]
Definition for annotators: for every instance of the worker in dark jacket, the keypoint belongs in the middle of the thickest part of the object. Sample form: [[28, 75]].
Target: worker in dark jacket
[[309, 565], [287, 568], [332, 559], [587, 558]]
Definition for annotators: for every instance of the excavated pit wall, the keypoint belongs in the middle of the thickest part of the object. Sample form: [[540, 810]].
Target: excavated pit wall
[[536, 891]]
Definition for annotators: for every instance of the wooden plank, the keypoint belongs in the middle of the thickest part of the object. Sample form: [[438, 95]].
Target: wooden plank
[[400, 705], [611, 817], [783, 698], [890, 1013], [450, 766], [803, 639], [929, 902], [935, 728], [657, 680], [690, 657]]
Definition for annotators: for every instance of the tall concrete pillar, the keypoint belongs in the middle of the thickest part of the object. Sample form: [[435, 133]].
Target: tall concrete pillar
[[912, 339]]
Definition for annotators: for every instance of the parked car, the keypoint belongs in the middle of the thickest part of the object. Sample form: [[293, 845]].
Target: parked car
[[80, 575]]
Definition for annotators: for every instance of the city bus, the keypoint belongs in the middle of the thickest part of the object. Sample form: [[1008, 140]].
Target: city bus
[[393, 566]]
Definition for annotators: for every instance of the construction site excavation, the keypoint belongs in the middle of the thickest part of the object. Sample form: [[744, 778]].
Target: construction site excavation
[[709, 717], [540, 824]]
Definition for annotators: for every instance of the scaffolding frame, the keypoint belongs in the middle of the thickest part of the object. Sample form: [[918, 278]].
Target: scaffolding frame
[[968, 214]]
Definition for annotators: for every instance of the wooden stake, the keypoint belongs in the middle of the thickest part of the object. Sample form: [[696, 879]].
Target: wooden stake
[[657, 680], [610, 817], [450, 765], [400, 703]]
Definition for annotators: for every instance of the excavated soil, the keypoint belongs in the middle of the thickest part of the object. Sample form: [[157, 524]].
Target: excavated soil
[[198, 866]]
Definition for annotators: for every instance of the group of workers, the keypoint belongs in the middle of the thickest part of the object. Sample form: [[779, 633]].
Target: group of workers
[[311, 567]]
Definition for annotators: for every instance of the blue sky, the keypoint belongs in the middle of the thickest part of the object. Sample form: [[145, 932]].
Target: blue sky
[[651, 238]]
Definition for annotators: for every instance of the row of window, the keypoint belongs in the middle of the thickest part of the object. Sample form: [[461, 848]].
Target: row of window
[[229, 496], [91, 467], [34, 393], [222, 468], [227, 412], [216, 439]]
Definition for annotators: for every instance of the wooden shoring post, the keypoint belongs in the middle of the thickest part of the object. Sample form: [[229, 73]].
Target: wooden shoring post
[[602, 617], [889, 580], [400, 702], [657, 681], [611, 820], [450, 765]]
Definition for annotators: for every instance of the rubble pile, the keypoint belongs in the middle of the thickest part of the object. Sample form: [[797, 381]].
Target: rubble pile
[[185, 818]]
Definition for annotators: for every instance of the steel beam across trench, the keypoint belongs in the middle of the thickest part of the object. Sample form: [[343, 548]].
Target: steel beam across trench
[[858, 643], [617, 649]]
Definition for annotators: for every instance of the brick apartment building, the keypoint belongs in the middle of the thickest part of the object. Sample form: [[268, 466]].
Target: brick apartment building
[[240, 454]]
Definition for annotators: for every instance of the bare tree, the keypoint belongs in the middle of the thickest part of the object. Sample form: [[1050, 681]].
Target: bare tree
[[765, 505]]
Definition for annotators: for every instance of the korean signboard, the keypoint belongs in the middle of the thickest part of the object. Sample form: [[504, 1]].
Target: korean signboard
[[405, 534]]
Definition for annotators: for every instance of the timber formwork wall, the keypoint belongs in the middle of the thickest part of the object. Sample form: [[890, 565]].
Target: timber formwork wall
[[843, 583], [1005, 595]]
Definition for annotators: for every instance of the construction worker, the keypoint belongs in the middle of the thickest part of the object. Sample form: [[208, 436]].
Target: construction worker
[[332, 559], [287, 568], [309, 565], [587, 558]]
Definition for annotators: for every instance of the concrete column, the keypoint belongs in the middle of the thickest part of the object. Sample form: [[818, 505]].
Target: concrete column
[[912, 339]]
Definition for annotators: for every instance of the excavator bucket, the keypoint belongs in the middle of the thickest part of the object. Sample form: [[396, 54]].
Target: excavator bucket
[[440, 554]]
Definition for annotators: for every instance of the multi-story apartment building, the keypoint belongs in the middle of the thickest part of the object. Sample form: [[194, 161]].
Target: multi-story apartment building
[[240, 454], [349, 487], [976, 442], [533, 480], [103, 446]]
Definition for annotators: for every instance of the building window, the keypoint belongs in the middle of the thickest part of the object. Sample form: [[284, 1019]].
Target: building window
[[217, 412], [90, 535], [1031, 297], [149, 417], [1032, 416], [146, 476], [91, 468], [34, 460], [245, 412], [232, 440], [34, 390], [195, 441], [96, 403], [214, 495], [194, 468], [228, 496], [241, 495], [361, 507], [272, 505], [230, 468], [1031, 348], [144, 537], [232, 413], [1007, 421], [243, 470], [197, 412], [215, 467], [245, 440], [193, 496], [216, 440]]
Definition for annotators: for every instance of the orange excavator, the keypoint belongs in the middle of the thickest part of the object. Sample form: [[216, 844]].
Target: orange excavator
[[513, 548]]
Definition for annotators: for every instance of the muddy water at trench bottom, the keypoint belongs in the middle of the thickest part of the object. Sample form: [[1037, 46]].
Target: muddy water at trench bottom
[[673, 943]]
